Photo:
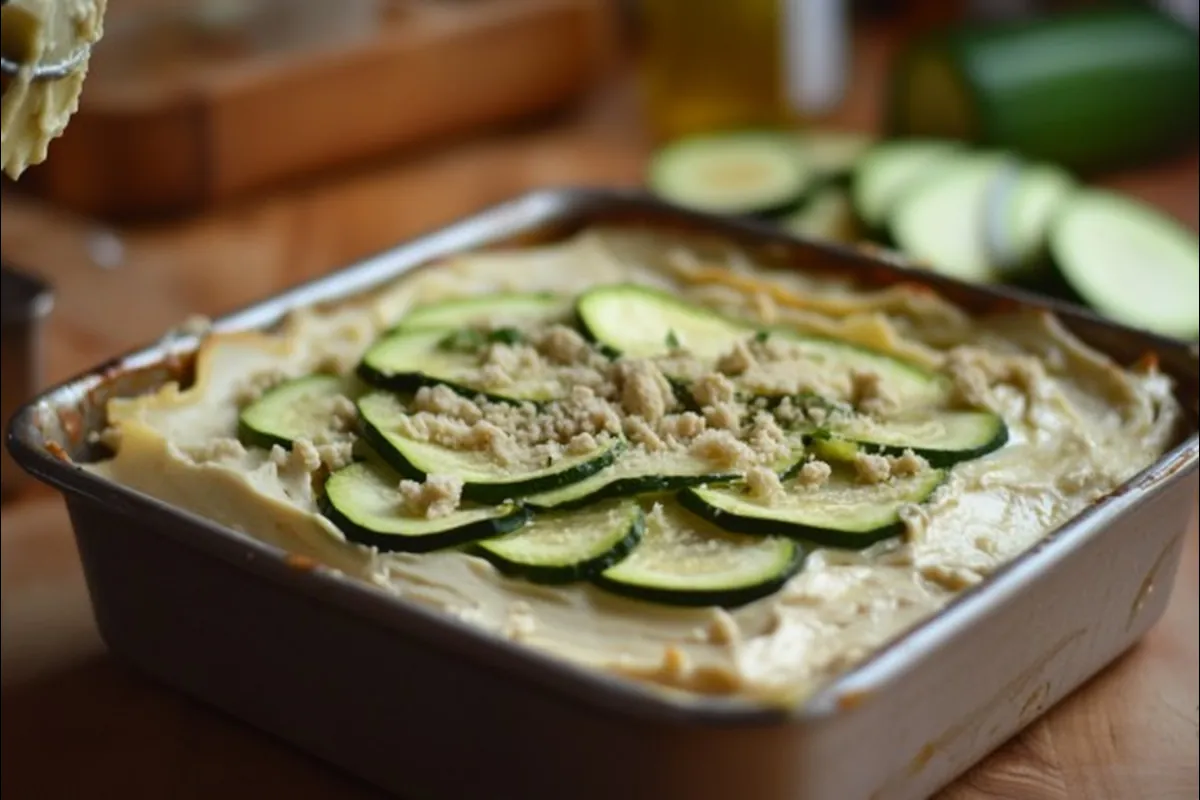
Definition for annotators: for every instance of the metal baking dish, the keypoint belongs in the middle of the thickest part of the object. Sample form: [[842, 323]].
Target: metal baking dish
[[428, 707], [24, 303]]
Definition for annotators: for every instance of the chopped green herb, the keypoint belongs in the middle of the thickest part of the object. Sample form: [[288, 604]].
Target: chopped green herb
[[673, 340], [762, 336]]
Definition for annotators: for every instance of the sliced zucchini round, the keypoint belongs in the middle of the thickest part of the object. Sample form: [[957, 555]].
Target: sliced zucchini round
[[832, 154], [883, 175], [682, 560], [827, 216], [1131, 263], [495, 310], [633, 473], [364, 502], [568, 546], [941, 221], [296, 409], [942, 438], [409, 358], [732, 173], [643, 322], [840, 514], [484, 481], [1020, 208]]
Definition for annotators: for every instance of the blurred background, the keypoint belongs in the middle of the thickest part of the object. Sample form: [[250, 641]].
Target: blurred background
[[226, 149]]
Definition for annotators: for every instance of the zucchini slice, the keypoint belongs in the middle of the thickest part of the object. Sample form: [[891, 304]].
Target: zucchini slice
[[409, 358], [942, 438], [1129, 262], [745, 174], [682, 560], [363, 501], [517, 309], [1020, 208], [828, 216], [569, 546], [981, 218], [941, 221], [832, 154], [840, 514], [484, 481], [883, 175], [300, 408], [643, 322], [632, 474]]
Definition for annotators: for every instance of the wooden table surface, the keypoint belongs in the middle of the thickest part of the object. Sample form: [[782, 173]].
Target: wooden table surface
[[77, 723]]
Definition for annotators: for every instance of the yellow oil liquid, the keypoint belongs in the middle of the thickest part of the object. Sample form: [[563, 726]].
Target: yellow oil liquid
[[712, 65]]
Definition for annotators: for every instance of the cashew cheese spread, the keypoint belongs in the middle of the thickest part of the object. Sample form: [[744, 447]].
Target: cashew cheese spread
[[650, 455], [35, 112]]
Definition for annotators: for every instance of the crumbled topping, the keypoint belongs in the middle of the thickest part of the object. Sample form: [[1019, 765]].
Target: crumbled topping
[[645, 391], [438, 496], [871, 468], [581, 444], [683, 427], [737, 361], [225, 449], [723, 449], [713, 389], [764, 484], [258, 384], [302, 458], [907, 464], [562, 345], [813, 475], [724, 416], [974, 372], [869, 394]]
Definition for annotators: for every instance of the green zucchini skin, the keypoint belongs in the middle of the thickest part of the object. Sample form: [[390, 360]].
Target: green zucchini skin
[[757, 527], [1091, 90], [697, 598], [557, 574], [629, 487], [764, 525], [993, 435], [411, 376], [488, 493], [259, 424], [507, 519], [688, 173]]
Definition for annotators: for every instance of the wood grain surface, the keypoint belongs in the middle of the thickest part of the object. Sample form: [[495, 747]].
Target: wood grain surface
[[77, 724]]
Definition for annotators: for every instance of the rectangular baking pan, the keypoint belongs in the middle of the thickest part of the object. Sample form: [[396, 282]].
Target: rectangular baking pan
[[428, 707]]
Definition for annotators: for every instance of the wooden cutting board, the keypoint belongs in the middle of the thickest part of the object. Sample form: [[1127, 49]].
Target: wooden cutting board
[[183, 109]]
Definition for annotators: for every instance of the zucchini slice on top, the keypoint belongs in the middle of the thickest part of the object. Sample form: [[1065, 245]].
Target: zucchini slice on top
[[363, 500], [296, 409], [634, 473], [410, 358], [643, 322], [493, 310], [942, 438], [841, 514], [484, 480], [569, 546], [682, 560]]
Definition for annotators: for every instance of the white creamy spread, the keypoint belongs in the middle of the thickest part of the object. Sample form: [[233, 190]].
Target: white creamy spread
[[1079, 426], [35, 112]]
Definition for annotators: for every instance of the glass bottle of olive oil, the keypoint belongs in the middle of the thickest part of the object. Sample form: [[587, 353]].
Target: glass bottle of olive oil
[[725, 64]]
